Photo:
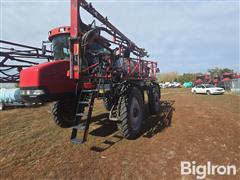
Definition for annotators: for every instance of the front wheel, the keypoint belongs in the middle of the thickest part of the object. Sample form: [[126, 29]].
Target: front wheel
[[64, 111], [131, 112]]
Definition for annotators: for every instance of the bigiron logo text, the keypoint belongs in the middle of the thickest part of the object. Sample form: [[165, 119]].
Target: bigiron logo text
[[201, 171]]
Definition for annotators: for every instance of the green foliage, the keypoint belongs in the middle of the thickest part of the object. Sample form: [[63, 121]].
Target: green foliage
[[167, 77], [218, 71], [173, 76], [186, 77], [190, 77]]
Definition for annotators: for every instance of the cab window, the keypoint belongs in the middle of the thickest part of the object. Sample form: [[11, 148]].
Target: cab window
[[60, 47]]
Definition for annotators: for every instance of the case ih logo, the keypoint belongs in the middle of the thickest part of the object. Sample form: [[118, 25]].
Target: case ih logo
[[201, 171]]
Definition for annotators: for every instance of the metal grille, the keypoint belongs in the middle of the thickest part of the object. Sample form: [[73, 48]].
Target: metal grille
[[235, 85], [232, 85]]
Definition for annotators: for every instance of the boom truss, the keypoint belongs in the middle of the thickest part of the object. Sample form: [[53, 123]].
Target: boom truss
[[119, 37], [14, 57]]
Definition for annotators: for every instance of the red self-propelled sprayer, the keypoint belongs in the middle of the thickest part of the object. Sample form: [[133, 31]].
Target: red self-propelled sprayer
[[88, 64]]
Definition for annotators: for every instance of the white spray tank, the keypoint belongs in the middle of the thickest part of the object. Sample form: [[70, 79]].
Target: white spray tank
[[10, 95]]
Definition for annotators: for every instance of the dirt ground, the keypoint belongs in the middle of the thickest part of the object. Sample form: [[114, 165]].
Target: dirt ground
[[203, 128]]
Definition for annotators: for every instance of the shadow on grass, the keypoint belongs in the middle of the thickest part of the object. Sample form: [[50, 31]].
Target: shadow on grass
[[157, 123], [106, 128], [107, 143], [153, 125]]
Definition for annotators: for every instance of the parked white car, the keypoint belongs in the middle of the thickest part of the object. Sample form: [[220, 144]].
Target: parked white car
[[176, 84], [162, 85], [207, 89]]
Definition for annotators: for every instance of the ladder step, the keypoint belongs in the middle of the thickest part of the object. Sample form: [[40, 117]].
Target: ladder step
[[89, 90], [80, 127], [113, 119], [77, 141], [84, 102], [81, 114], [84, 126]]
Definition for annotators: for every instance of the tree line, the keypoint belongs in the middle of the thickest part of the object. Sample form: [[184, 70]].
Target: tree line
[[186, 77]]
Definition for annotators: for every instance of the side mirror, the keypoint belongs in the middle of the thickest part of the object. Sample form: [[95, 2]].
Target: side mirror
[[44, 49], [157, 70]]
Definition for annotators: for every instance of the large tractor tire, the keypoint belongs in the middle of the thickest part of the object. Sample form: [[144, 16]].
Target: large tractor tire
[[64, 111], [154, 96], [131, 113]]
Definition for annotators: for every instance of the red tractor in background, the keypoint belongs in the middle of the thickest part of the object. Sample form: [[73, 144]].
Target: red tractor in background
[[87, 65], [227, 76], [216, 80], [203, 79], [199, 79]]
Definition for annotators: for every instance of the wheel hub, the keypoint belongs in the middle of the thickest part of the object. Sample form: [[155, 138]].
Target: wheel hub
[[135, 114]]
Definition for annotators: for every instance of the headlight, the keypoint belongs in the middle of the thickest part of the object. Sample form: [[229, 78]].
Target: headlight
[[32, 92], [23, 92], [28, 92], [62, 29], [38, 92]]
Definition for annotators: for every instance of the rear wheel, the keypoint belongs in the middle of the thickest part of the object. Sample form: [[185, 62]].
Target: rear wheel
[[63, 112], [154, 99], [131, 112]]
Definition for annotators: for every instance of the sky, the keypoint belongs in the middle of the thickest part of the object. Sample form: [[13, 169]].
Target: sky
[[182, 36]]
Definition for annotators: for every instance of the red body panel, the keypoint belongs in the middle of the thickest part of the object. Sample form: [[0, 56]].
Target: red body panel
[[226, 79], [51, 75], [215, 81]]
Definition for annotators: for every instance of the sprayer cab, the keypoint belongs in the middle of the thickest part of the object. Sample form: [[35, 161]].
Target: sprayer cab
[[59, 38]]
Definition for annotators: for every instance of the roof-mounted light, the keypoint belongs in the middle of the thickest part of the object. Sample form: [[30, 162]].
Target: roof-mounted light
[[62, 29]]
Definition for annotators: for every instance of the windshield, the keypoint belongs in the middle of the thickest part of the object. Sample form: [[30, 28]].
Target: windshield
[[209, 86], [60, 47]]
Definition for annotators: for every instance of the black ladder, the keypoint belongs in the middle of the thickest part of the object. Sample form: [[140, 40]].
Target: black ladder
[[86, 99]]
